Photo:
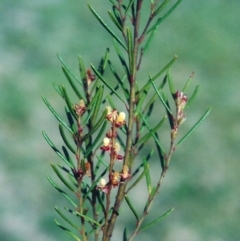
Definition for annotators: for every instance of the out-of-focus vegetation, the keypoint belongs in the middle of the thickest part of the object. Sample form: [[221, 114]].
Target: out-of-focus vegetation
[[203, 181]]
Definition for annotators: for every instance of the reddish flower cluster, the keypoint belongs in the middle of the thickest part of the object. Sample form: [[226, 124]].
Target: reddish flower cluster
[[112, 147], [80, 108], [180, 101]]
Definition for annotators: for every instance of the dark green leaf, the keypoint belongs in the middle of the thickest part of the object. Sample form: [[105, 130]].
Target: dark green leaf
[[160, 8], [70, 147], [193, 96], [67, 231], [61, 191], [170, 82], [56, 150], [145, 138], [61, 177], [65, 218], [160, 20], [99, 93], [147, 175], [74, 87], [69, 71], [156, 220], [100, 134], [95, 128], [105, 26], [115, 21], [56, 114], [83, 216], [106, 83], [130, 51], [131, 207], [194, 127], [122, 60]]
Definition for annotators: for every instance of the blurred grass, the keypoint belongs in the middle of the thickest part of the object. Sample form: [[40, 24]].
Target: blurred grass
[[203, 181]]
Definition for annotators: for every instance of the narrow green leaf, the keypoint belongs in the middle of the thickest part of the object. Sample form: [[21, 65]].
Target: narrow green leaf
[[69, 103], [125, 234], [69, 71], [95, 128], [65, 218], [74, 87], [170, 82], [120, 81], [100, 135], [131, 207], [188, 82], [161, 154], [193, 96], [56, 150], [161, 19], [70, 147], [153, 134], [58, 89], [166, 67], [106, 83], [105, 26], [122, 60], [82, 69], [114, 20], [160, 8], [99, 93], [67, 230], [156, 220], [62, 178], [130, 50], [83, 216], [129, 6], [56, 114], [145, 138], [194, 127], [61, 191], [148, 157], [147, 175], [161, 98]]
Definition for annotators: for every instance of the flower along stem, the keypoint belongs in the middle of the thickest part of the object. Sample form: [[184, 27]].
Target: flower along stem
[[106, 133]]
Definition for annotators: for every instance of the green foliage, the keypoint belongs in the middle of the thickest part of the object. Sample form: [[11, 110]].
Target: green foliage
[[95, 125]]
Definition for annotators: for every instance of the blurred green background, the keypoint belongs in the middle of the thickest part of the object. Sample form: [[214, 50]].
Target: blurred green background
[[203, 181]]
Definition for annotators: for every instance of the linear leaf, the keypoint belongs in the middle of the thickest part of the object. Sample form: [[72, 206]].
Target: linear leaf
[[188, 82], [65, 66], [69, 103], [170, 82], [153, 134], [193, 96], [67, 230], [106, 83], [147, 175], [100, 134], [65, 218], [130, 50], [149, 134], [194, 127], [74, 87], [61, 191], [156, 220], [62, 178], [95, 128], [58, 89], [129, 6], [70, 147], [56, 114], [82, 70], [160, 8], [99, 93], [160, 97], [121, 58], [105, 26], [131, 207], [83, 216], [161, 19], [56, 150], [114, 20]]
